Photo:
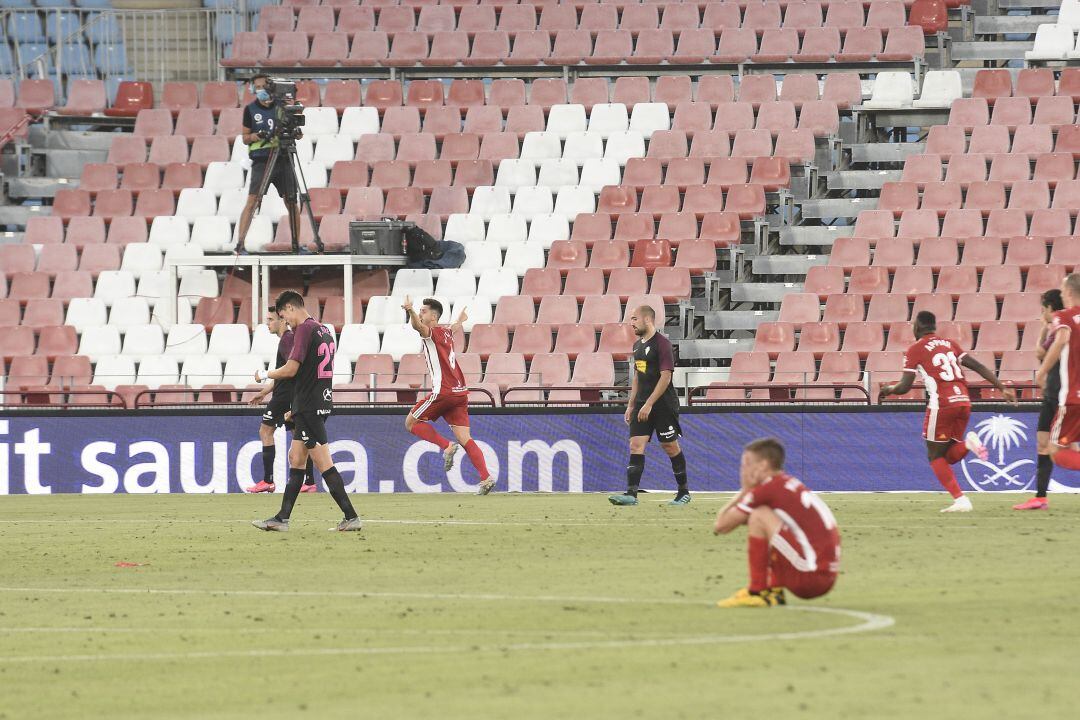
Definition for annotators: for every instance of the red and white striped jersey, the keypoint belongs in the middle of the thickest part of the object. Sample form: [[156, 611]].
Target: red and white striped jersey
[[446, 374], [813, 527], [1069, 365], [936, 361]]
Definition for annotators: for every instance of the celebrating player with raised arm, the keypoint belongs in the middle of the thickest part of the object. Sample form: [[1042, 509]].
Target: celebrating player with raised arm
[[449, 396], [1065, 329], [652, 407], [311, 365], [938, 362], [276, 409], [792, 540]]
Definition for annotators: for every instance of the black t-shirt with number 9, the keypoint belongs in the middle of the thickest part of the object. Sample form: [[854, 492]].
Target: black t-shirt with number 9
[[314, 348]]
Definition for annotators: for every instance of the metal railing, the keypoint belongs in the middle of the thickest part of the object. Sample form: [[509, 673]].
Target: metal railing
[[154, 45]]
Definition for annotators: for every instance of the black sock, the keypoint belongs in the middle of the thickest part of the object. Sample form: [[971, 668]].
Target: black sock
[[678, 466], [309, 472], [633, 474], [336, 486], [269, 452], [292, 490], [1042, 475]]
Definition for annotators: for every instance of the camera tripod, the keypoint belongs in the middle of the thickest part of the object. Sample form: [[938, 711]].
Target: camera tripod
[[288, 149]]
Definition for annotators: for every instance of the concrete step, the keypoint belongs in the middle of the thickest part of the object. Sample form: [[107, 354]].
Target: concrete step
[[762, 292], [38, 187], [701, 349], [883, 152], [19, 214], [1010, 24], [809, 235], [837, 207], [860, 179], [787, 264], [984, 50], [725, 320]]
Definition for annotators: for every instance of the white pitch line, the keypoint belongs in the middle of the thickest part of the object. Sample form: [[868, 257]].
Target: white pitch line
[[870, 622]]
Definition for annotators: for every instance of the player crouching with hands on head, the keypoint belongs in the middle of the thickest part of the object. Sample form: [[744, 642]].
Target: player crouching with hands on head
[[792, 539]]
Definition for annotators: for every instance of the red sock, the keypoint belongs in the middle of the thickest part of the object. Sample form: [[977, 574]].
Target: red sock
[[425, 431], [476, 455], [957, 452], [1069, 459], [946, 477], [757, 550]]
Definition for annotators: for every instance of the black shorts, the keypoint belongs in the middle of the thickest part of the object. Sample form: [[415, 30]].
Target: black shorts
[[274, 415], [310, 429], [1047, 411], [662, 420], [282, 179]]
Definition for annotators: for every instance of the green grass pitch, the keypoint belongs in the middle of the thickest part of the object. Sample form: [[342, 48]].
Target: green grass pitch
[[525, 606]]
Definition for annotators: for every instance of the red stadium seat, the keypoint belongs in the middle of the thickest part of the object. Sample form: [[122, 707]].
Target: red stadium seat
[[861, 45], [850, 252], [824, 280], [868, 281], [897, 197], [945, 196], [966, 169], [581, 282], [894, 252], [819, 338], [627, 282], [940, 305], [514, 310], [997, 337], [969, 113], [976, 309], [736, 44], [799, 308], [1026, 252], [863, 338], [1000, 280], [957, 280], [987, 139], [530, 340], [938, 253], [774, 338], [843, 309], [710, 145]]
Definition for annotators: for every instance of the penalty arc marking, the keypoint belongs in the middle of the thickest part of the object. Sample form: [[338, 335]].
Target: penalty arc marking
[[867, 622]]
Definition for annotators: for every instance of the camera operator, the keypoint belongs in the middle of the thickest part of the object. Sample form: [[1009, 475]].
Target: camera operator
[[262, 119]]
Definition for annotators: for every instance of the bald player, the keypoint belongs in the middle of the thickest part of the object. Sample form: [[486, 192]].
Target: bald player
[[653, 407]]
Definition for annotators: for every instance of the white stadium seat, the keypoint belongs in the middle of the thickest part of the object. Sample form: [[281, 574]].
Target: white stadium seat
[[598, 172], [505, 229], [357, 121], [185, 252], [201, 370], [100, 341], [358, 340], [240, 370], [892, 90], [222, 176], [186, 340], [533, 201], [622, 146], [477, 307], [496, 283], [332, 148], [114, 370], [140, 258], [488, 201], [417, 283], [647, 118], [546, 229], [453, 282], [202, 283], [540, 146], [170, 230], [940, 88], [316, 174], [240, 152], [608, 119], [582, 146], [481, 255], [400, 340], [196, 202], [564, 119], [153, 286], [464, 228], [113, 284], [383, 311], [260, 234], [129, 312], [571, 201], [514, 174], [144, 341], [212, 234], [84, 313], [264, 344], [520, 257], [232, 204], [557, 174], [229, 339], [320, 121], [157, 371], [1052, 42]]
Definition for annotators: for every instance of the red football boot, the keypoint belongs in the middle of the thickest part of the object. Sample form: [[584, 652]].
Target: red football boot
[[309, 488], [1035, 503], [261, 487]]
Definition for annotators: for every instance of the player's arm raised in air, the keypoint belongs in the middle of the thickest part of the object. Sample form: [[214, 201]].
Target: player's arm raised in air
[[459, 324], [414, 319], [1061, 339], [971, 363]]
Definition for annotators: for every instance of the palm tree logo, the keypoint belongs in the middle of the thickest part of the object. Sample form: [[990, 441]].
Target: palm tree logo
[[1001, 434]]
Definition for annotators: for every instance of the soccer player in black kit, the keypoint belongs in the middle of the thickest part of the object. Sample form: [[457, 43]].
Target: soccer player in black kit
[[281, 393], [311, 365], [653, 406]]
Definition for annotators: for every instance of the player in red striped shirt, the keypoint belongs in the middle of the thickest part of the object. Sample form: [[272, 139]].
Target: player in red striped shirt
[[939, 363], [1065, 329], [792, 539], [449, 396]]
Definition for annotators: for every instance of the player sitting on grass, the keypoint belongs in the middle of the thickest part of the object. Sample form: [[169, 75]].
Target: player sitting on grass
[[449, 396], [938, 362], [792, 539]]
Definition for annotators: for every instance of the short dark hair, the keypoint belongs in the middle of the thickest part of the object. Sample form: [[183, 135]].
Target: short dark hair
[[259, 76], [1052, 299], [648, 312], [768, 449], [926, 320], [434, 305], [289, 297]]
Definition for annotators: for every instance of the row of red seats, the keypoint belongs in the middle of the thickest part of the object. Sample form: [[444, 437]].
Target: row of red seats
[[936, 253], [579, 4], [997, 336], [691, 256], [747, 200], [910, 282], [949, 140], [165, 149], [571, 47], [1009, 168], [581, 282], [676, 16], [53, 259], [1031, 83], [976, 308], [110, 204], [963, 224], [1012, 112], [757, 367], [720, 228], [1027, 195], [140, 176]]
